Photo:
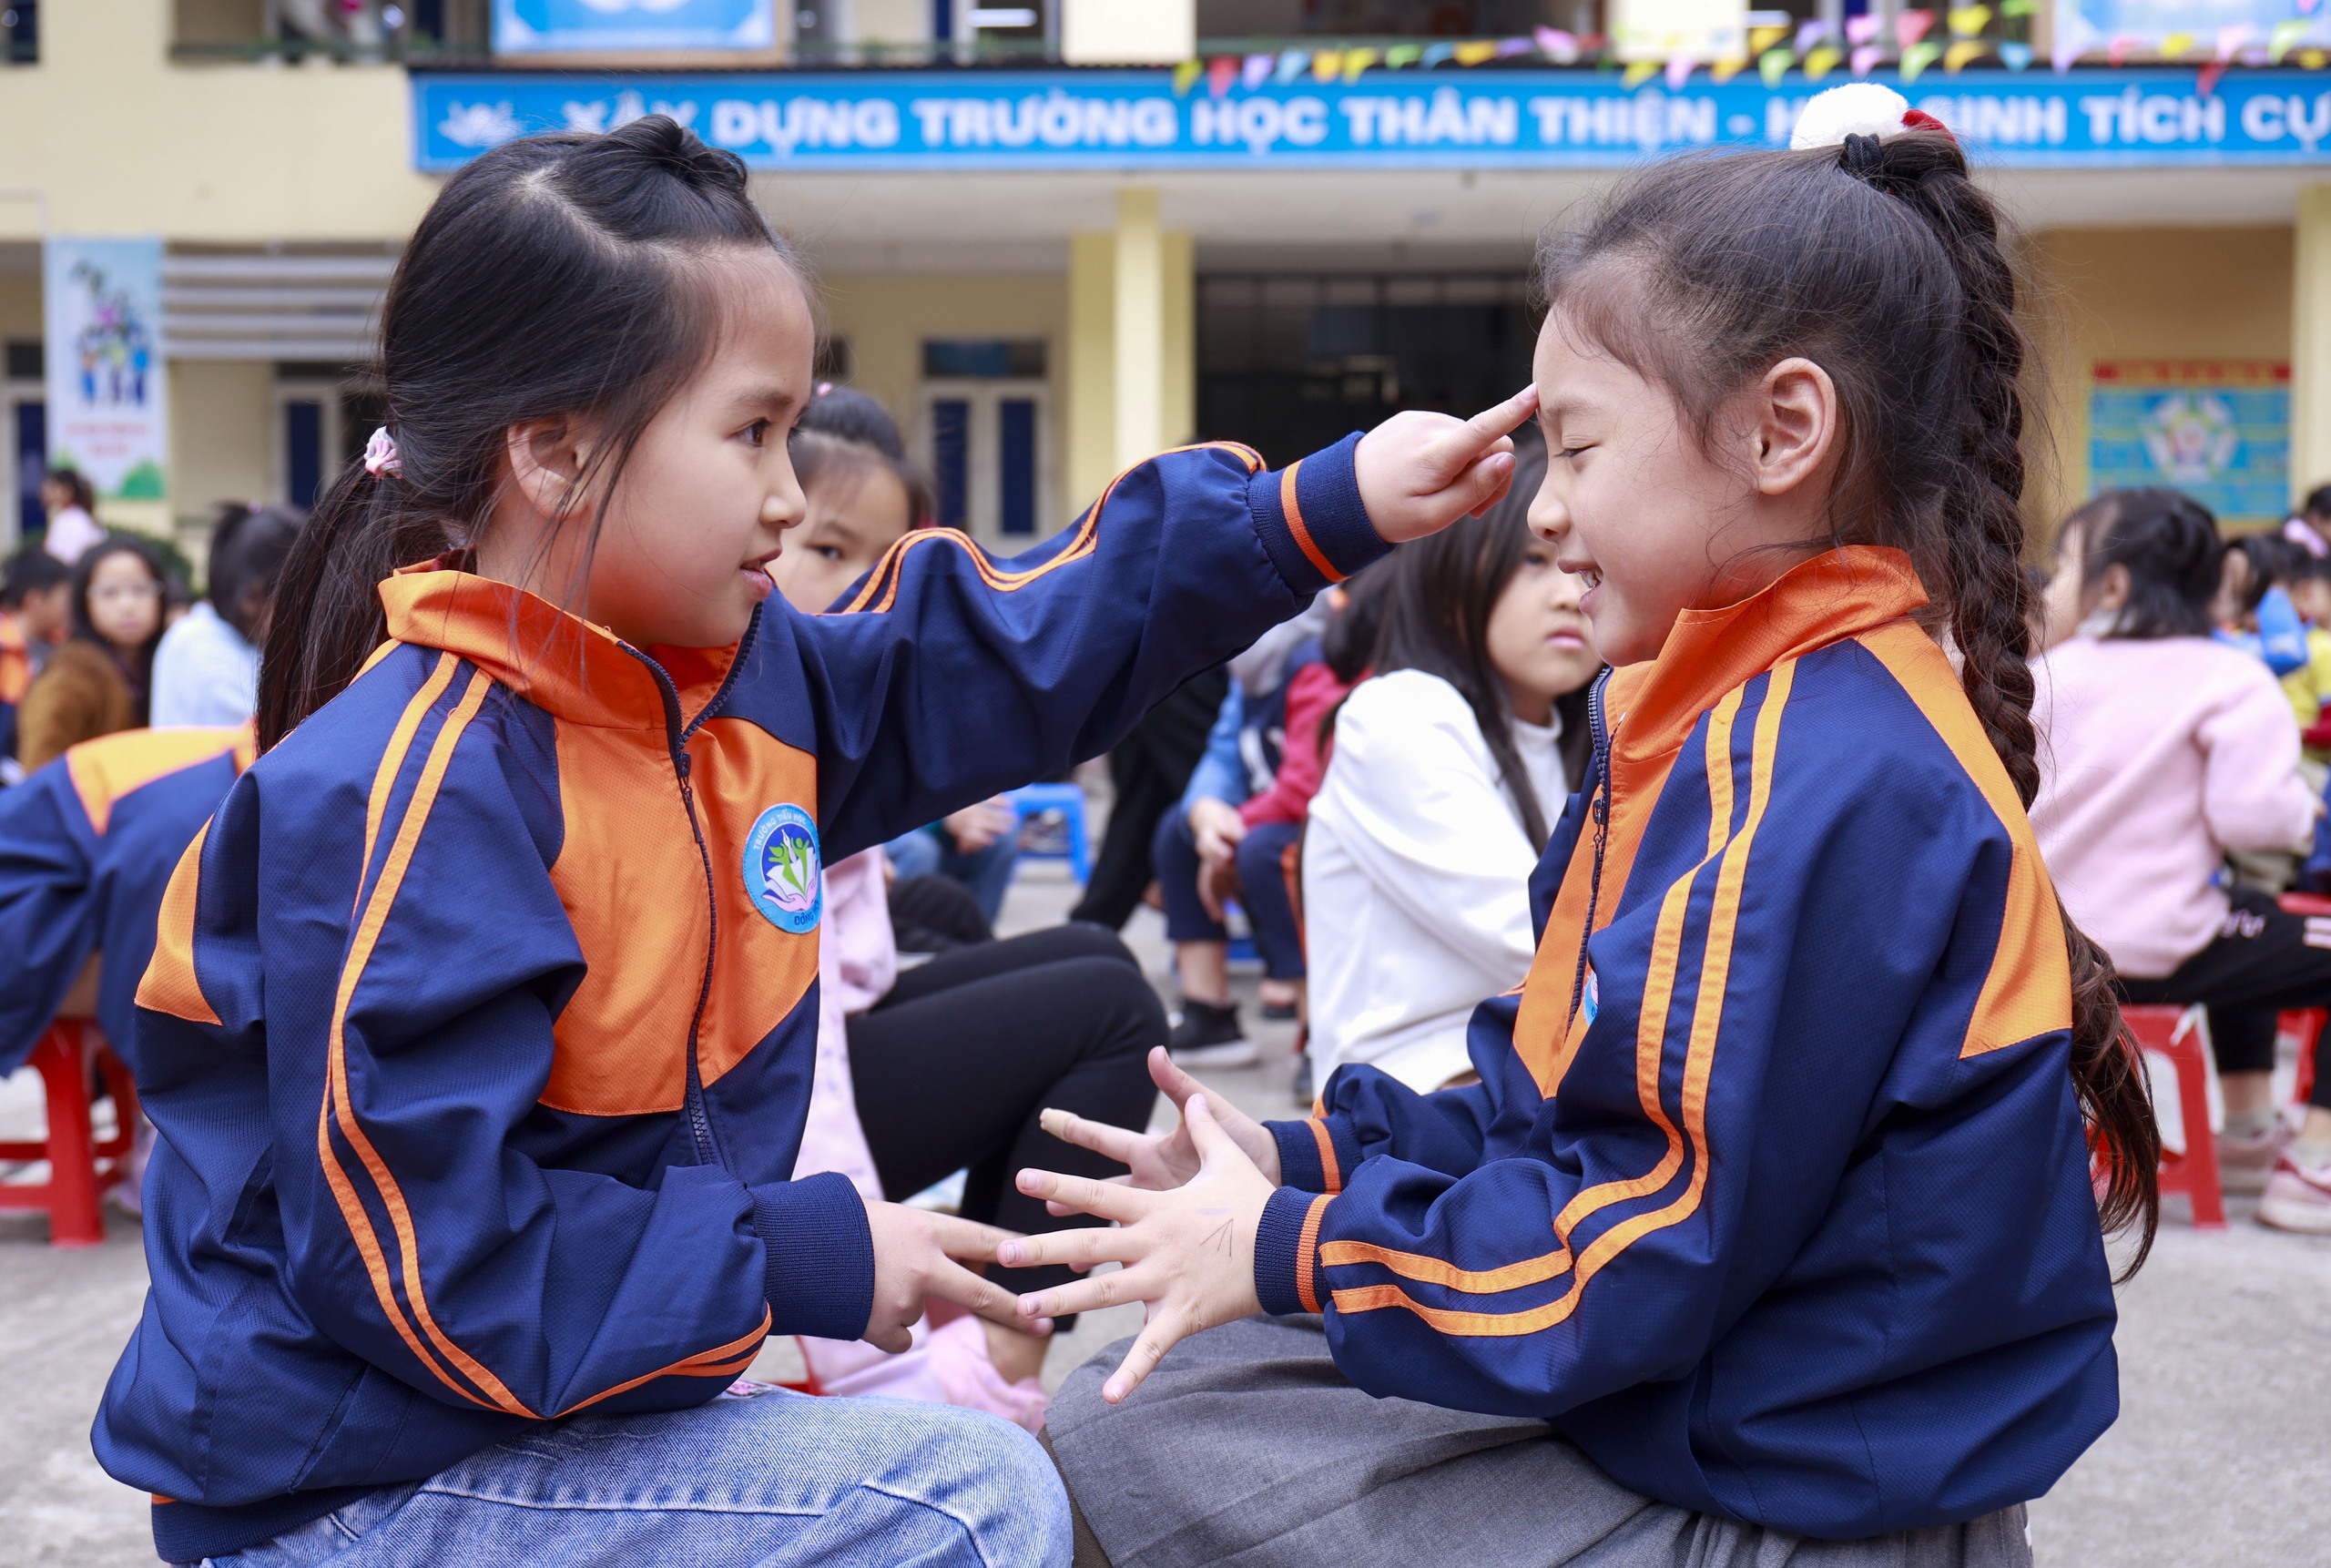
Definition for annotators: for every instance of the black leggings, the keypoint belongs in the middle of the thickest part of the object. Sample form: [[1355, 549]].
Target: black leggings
[[953, 1066], [2262, 962]]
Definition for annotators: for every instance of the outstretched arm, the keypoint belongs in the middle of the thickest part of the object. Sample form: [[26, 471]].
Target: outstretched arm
[[949, 677]]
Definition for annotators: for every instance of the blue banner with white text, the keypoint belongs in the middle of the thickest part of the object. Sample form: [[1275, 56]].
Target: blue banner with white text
[[866, 120]]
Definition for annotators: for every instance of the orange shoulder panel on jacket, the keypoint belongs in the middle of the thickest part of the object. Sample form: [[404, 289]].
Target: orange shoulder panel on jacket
[[105, 769], [170, 984], [2028, 991]]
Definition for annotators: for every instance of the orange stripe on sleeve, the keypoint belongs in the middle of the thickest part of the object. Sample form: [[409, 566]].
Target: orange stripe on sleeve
[[1330, 1170], [882, 589], [1307, 1247], [170, 984], [384, 777], [1440, 1271], [335, 1108], [728, 1360], [1295, 525]]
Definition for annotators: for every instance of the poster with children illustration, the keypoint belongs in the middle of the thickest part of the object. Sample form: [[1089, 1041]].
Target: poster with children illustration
[[107, 386], [2218, 429]]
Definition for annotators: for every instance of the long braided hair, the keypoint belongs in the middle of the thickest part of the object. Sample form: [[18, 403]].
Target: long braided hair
[[1879, 260]]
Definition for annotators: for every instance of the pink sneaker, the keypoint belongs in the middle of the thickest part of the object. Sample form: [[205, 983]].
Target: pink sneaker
[[2244, 1163], [2298, 1199], [958, 1360]]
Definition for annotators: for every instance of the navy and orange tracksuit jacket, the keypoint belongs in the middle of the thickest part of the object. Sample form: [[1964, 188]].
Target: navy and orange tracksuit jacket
[[87, 846], [482, 1019], [1773, 1197]]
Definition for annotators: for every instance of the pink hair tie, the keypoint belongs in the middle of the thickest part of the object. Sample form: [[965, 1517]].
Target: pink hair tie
[[2302, 533], [380, 455], [822, 388]]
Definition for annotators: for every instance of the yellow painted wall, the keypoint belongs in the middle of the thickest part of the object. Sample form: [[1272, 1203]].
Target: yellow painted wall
[[240, 154], [2146, 293], [887, 318], [222, 418]]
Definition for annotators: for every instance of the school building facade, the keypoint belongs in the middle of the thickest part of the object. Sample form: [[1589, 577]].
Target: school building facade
[[1050, 271]]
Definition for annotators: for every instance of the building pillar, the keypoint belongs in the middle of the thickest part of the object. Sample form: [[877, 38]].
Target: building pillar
[[1132, 351], [1139, 316], [1091, 412], [2311, 343]]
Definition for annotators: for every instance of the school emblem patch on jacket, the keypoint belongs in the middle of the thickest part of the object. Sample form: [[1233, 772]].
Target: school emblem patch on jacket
[[783, 870]]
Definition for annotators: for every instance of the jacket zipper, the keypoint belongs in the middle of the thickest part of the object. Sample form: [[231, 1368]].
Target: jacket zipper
[[1601, 807], [677, 734]]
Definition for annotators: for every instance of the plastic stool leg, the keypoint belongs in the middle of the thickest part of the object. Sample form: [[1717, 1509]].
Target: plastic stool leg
[[73, 1217], [2201, 1144], [1080, 854]]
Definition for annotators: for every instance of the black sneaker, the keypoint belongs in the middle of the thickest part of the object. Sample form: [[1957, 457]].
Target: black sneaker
[[1279, 1011], [1207, 1035], [1301, 1088]]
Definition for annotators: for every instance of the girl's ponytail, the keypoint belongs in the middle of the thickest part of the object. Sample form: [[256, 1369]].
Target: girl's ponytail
[[554, 277], [1979, 554], [327, 617]]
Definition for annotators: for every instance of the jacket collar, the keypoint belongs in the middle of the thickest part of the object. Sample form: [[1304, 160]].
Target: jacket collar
[[572, 668], [1837, 595]]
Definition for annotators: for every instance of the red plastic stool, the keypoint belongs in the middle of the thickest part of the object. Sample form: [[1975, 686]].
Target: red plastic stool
[[2194, 1172], [2305, 1026], [79, 1167]]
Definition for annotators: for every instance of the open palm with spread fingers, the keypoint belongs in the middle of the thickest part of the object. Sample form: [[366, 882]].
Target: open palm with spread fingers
[[1188, 1253], [1157, 1161]]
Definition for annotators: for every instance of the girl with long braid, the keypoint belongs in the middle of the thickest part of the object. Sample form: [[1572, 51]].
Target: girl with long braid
[[1768, 1233]]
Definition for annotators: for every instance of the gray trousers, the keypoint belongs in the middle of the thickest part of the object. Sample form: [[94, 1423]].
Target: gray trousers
[[1247, 1449]]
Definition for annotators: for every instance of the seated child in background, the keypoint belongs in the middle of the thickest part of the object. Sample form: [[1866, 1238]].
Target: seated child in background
[[1447, 768], [945, 1067], [206, 670], [35, 612], [2251, 610], [2167, 750], [1236, 836], [96, 682]]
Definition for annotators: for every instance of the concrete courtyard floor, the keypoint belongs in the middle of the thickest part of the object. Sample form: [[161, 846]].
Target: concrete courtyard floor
[[2221, 1456]]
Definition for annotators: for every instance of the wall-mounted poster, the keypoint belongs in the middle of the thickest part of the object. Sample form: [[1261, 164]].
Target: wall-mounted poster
[[614, 27], [102, 313], [2219, 429]]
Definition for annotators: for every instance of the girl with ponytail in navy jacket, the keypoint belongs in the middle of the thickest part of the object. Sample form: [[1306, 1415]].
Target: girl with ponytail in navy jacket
[[1767, 1232], [482, 1020]]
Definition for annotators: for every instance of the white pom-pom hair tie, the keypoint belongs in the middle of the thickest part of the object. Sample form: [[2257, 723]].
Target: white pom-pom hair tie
[[1857, 108]]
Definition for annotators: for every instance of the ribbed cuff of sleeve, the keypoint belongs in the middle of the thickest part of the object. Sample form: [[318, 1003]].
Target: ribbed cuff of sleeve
[[1317, 1154], [1313, 520], [1286, 1249], [821, 1256]]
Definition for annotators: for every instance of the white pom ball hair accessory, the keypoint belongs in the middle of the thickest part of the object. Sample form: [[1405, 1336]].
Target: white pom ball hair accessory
[[1857, 108]]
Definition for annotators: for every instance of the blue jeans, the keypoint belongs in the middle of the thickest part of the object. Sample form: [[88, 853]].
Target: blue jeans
[[776, 1479], [1263, 891], [932, 851]]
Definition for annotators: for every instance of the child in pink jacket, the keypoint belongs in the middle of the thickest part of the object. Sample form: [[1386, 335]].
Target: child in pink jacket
[[2161, 751]]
